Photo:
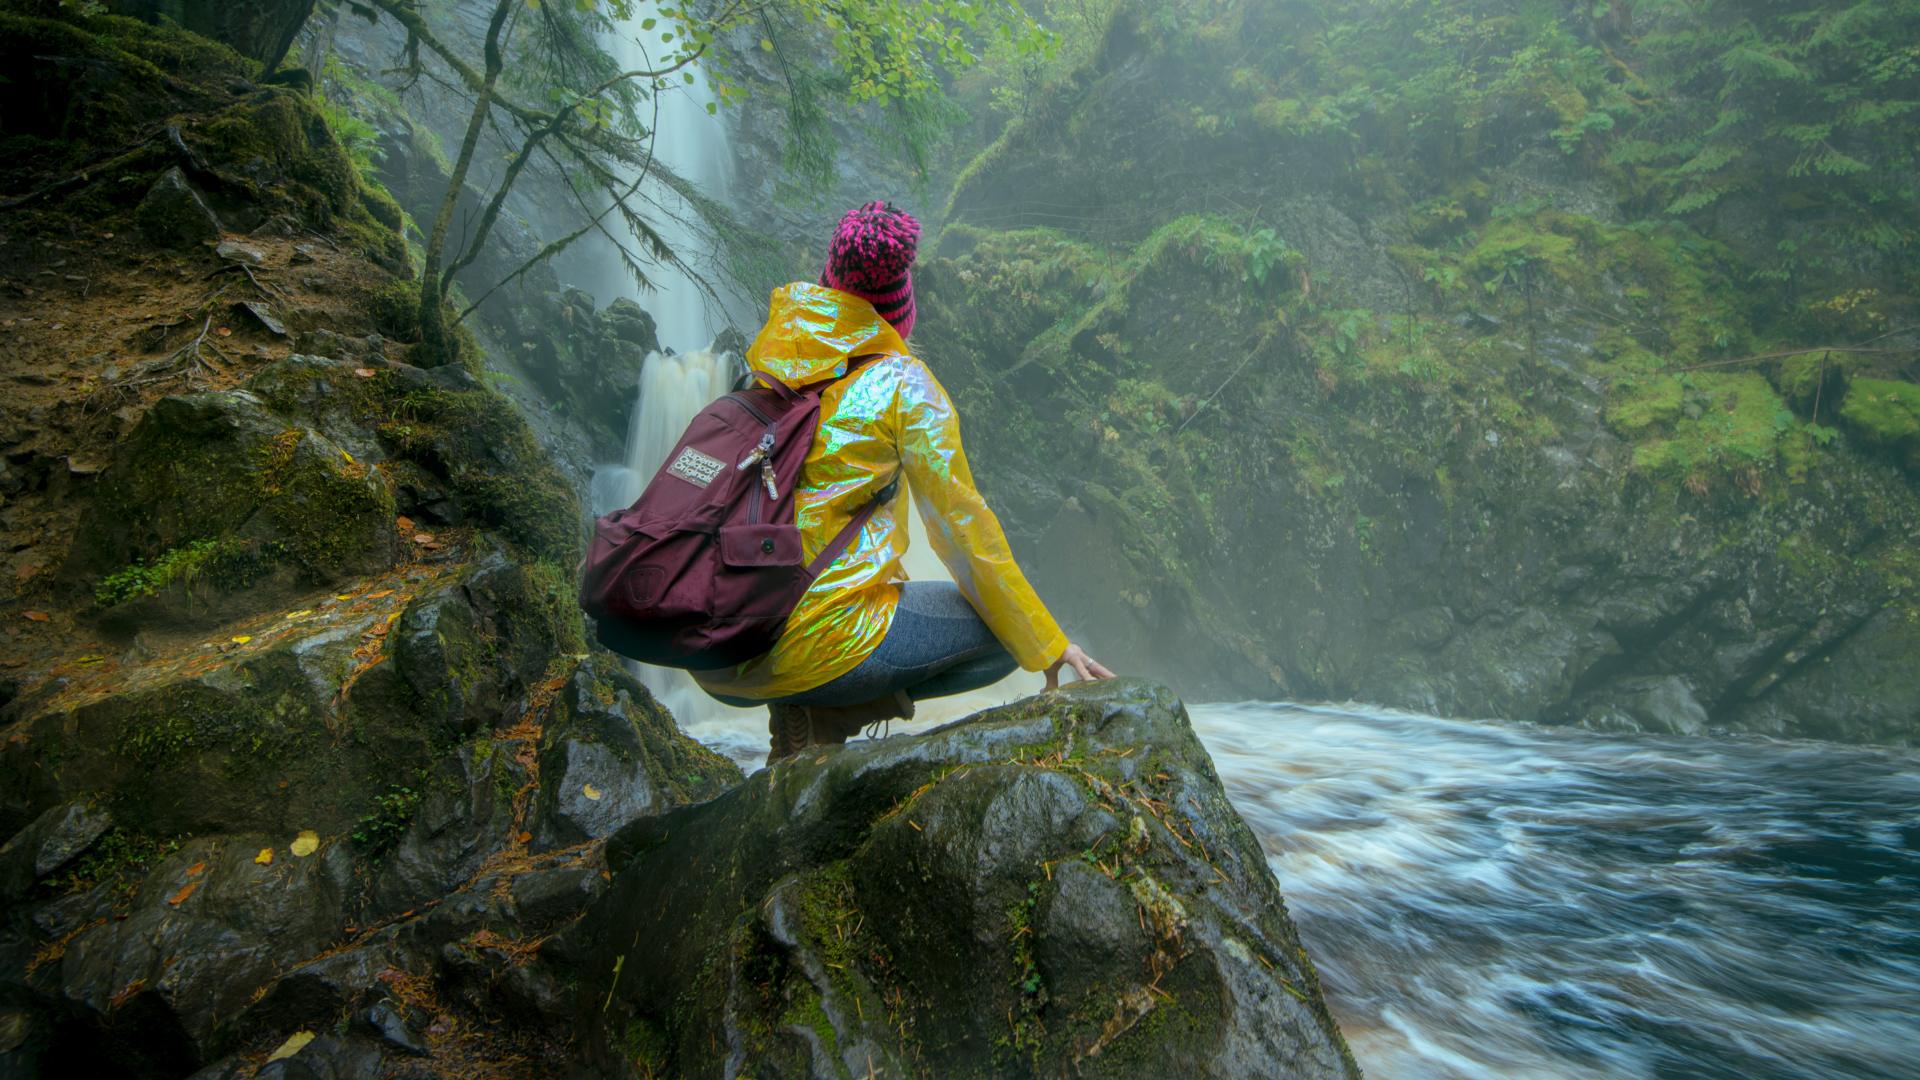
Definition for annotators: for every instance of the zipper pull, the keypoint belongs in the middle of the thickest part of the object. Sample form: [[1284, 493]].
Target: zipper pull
[[766, 477], [760, 453]]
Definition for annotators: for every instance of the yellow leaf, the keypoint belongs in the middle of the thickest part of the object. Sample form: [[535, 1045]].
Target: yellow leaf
[[301, 614], [348, 456], [90, 660], [295, 1043], [343, 597], [305, 844], [242, 639], [381, 595], [590, 792], [265, 858]]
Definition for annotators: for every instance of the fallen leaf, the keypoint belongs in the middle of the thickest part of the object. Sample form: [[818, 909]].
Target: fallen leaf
[[380, 629], [223, 331], [525, 836], [295, 1043], [196, 869], [364, 372], [403, 523], [348, 456], [343, 597], [301, 614], [89, 661], [590, 792], [241, 639], [305, 844], [36, 616], [423, 538], [184, 892], [265, 858], [382, 594]]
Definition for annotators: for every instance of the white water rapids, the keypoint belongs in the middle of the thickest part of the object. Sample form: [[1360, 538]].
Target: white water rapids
[[1483, 900]]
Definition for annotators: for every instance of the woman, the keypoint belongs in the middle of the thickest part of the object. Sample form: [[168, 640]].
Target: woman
[[863, 645]]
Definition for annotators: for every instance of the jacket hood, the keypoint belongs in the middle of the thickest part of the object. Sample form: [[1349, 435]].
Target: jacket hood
[[812, 331]]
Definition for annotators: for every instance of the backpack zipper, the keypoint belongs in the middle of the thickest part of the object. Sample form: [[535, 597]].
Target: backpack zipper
[[762, 455]]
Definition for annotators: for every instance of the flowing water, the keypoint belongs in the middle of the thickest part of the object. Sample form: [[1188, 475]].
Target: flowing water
[[1493, 900]]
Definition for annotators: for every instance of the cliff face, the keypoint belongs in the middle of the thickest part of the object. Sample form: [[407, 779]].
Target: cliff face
[[1289, 395]]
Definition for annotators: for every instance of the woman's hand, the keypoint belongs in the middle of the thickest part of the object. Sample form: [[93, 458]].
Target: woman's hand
[[1084, 666]]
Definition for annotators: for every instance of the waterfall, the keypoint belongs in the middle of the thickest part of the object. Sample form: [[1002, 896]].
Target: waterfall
[[688, 373]]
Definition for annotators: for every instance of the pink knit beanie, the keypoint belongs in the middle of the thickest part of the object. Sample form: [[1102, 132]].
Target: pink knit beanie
[[871, 256]]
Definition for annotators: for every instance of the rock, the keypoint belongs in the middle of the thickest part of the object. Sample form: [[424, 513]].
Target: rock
[[210, 927], [465, 816], [268, 495], [327, 1058], [385, 1023], [54, 839], [629, 322], [174, 214], [1008, 895], [235, 251], [612, 755], [1663, 704]]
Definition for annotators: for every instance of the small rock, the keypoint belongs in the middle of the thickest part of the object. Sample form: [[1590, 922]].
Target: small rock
[[264, 315], [174, 215], [54, 839], [235, 251], [386, 1024]]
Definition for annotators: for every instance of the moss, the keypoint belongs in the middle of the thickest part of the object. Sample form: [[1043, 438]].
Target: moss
[[555, 590], [329, 516], [195, 718], [1886, 415], [225, 560], [395, 309], [1646, 405], [120, 855]]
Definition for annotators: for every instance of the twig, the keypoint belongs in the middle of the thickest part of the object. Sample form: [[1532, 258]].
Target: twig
[[1202, 407]]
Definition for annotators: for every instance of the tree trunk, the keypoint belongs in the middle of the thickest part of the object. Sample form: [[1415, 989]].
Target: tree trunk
[[439, 345]]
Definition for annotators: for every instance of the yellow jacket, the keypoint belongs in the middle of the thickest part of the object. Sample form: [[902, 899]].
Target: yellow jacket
[[891, 419]]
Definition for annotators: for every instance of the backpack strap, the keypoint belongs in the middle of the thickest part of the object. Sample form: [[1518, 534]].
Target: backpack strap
[[842, 539]]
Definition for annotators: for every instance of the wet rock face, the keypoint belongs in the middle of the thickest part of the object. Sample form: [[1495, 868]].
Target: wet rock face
[[1057, 886]]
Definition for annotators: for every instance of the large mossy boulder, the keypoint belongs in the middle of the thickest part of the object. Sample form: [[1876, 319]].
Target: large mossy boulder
[[1055, 887], [217, 486]]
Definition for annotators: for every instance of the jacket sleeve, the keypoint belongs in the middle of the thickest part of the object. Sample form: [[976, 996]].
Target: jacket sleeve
[[964, 532]]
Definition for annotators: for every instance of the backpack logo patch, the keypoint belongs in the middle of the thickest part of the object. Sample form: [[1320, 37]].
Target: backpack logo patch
[[695, 467]]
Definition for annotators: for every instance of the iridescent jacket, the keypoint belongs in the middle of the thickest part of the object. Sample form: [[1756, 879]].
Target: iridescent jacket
[[890, 419]]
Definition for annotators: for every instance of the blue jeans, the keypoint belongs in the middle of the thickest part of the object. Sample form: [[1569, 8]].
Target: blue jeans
[[938, 646]]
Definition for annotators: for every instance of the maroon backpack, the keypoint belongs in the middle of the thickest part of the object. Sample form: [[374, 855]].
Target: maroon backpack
[[704, 569]]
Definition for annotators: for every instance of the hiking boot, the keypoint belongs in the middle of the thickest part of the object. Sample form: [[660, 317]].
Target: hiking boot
[[790, 731], [837, 725], [793, 728]]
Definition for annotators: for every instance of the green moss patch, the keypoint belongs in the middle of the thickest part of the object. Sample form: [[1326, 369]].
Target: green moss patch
[[1886, 414]]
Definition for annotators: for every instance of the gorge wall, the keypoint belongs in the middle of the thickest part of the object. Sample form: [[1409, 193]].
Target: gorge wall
[[1294, 384]]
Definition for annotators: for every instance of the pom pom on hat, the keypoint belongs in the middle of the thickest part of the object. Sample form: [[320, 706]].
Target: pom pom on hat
[[871, 256]]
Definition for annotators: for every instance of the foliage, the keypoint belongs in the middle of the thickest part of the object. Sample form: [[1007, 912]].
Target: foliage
[[179, 566], [392, 812]]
